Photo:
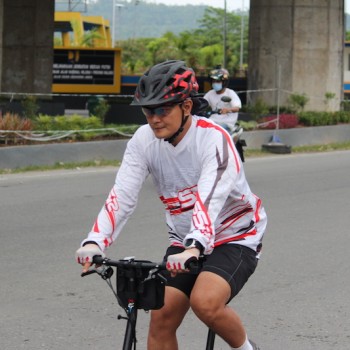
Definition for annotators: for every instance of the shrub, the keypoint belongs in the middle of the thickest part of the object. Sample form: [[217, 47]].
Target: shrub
[[42, 122], [101, 109], [286, 121], [13, 122], [318, 118], [345, 105], [98, 107], [30, 107], [298, 102], [258, 109], [329, 96], [342, 116], [93, 123], [75, 122], [248, 126]]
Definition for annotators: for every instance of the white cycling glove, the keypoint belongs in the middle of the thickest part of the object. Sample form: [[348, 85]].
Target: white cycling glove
[[181, 260], [85, 254]]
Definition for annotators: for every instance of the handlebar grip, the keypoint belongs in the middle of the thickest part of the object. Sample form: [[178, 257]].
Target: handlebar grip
[[193, 265], [97, 259]]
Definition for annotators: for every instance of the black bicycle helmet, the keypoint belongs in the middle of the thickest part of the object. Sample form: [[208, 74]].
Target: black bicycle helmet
[[166, 82], [169, 82]]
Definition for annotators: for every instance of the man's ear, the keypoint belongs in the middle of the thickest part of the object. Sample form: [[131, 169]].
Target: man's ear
[[187, 106]]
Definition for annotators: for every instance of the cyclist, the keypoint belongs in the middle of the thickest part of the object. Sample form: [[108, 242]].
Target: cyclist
[[228, 109], [209, 206]]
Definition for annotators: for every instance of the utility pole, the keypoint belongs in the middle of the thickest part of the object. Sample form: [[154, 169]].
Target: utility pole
[[113, 20], [225, 32], [242, 39]]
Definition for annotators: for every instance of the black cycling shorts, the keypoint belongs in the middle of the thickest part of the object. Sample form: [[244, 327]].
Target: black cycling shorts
[[235, 263]]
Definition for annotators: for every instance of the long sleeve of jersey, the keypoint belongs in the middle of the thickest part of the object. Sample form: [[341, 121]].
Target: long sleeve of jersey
[[122, 199]]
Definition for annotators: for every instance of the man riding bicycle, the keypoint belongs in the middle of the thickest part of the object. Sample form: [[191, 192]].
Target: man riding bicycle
[[209, 207]]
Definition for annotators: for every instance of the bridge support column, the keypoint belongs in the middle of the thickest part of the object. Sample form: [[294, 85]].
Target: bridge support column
[[26, 45], [303, 40]]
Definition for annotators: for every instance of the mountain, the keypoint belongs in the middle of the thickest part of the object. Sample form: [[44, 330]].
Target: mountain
[[138, 19]]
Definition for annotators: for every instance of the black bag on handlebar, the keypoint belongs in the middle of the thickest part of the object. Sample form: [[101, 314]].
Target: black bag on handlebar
[[135, 283]]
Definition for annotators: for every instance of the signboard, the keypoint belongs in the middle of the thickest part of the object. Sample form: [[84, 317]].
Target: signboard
[[86, 70]]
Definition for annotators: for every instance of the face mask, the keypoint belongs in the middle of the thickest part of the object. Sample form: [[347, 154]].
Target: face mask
[[217, 86]]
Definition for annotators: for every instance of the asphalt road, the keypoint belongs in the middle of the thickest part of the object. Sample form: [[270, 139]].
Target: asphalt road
[[298, 299]]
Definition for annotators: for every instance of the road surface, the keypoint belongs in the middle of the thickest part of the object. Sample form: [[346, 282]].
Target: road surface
[[298, 299]]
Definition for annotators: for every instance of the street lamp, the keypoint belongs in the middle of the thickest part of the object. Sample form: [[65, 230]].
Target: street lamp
[[113, 20]]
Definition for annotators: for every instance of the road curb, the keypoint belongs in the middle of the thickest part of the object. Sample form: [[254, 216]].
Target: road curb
[[50, 154]]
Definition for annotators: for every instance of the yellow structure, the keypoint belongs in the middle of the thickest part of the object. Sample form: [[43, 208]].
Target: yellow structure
[[85, 66], [73, 25]]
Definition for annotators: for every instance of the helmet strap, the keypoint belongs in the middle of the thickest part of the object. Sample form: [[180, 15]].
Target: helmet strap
[[171, 139]]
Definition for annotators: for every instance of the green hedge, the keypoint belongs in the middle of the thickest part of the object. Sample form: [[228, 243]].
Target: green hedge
[[75, 122], [324, 118]]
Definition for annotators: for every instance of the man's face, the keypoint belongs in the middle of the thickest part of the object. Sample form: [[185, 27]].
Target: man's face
[[165, 120]]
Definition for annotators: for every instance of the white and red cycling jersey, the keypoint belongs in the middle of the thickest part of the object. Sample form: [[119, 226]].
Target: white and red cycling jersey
[[201, 182]]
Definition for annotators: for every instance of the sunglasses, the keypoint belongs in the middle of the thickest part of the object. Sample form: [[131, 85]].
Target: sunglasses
[[161, 111]]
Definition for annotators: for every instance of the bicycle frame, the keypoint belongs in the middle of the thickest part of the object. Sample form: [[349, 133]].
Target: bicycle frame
[[131, 310]]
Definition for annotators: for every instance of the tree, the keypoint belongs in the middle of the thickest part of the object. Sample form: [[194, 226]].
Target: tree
[[133, 56], [164, 48], [201, 48], [212, 31]]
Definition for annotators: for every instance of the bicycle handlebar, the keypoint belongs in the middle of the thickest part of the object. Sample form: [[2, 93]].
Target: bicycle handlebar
[[193, 265], [128, 262]]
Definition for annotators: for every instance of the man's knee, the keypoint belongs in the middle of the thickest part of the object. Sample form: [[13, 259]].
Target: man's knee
[[209, 296], [162, 317], [205, 307]]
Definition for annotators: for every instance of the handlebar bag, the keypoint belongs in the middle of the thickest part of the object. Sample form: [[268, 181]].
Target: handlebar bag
[[137, 285]]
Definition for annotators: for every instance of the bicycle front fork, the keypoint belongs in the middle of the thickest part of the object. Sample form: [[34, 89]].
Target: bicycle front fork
[[130, 331], [210, 340]]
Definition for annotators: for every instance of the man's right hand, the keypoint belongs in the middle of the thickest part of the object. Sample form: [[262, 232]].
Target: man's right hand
[[84, 255]]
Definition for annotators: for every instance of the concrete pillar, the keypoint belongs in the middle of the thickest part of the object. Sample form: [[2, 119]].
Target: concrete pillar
[[26, 45], [1, 35], [303, 40]]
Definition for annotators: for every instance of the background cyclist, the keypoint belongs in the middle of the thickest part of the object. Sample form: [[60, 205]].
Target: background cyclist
[[209, 207]]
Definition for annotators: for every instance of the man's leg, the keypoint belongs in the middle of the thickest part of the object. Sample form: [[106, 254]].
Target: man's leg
[[164, 322], [208, 301]]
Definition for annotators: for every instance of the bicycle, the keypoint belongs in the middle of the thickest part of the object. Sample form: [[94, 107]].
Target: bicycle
[[140, 285]]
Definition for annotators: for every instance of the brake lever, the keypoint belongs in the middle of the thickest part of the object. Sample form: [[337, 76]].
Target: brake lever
[[88, 272], [104, 271]]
